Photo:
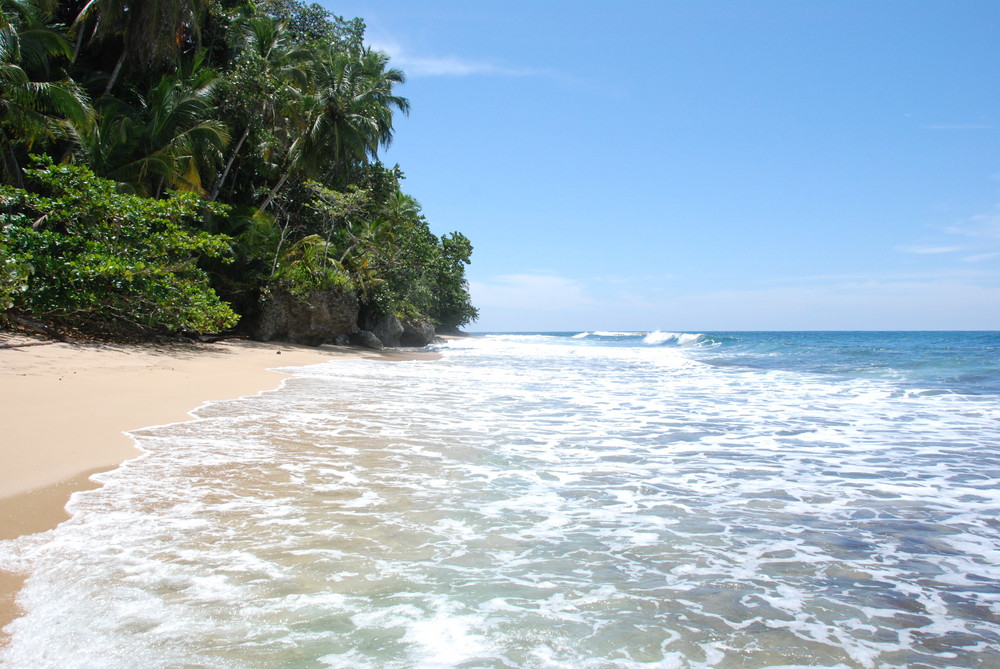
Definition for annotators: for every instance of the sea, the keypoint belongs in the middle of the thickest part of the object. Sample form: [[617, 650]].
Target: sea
[[726, 500]]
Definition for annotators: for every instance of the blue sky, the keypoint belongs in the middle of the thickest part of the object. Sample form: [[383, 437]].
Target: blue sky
[[707, 165]]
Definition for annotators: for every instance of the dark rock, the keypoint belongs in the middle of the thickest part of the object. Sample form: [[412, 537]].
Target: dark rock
[[313, 319], [417, 332], [366, 339], [387, 328]]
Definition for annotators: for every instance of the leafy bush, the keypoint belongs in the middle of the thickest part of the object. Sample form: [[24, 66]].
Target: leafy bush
[[78, 253], [307, 266], [452, 303], [14, 272]]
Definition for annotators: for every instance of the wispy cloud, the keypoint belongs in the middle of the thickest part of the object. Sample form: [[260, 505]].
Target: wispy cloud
[[446, 66], [928, 250], [954, 273], [982, 256], [457, 67], [962, 299], [957, 126], [529, 292], [865, 305], [978, 238], [985, 225]]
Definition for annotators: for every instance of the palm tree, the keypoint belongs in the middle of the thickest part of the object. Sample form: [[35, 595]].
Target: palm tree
[[170, 139], [401, 210], [353, 105], [33, 110], [269, 74], [346, 115], [151, 32]]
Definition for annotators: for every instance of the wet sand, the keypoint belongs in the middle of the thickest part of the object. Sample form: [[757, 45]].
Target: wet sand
[[65, 410]]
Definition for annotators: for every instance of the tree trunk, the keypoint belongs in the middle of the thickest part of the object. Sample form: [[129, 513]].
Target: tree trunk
[[79, 41], [229, 164], [13, 167], [115, 73], [273, 193], [277, 251], [37, 327], [26, 344]]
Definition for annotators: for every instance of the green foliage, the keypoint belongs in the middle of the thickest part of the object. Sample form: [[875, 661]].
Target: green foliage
[[452, 305], [347, 235], [424, 274], [36, 110], [307, 266], [167, 139], [14, 273], [274, 107], [311, 23], [147, 34], [107, 262]]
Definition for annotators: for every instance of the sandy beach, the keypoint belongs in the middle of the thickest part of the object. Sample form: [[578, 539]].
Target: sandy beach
[[65, 409]]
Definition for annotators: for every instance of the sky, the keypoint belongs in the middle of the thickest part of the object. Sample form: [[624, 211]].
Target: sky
[[706, 165]]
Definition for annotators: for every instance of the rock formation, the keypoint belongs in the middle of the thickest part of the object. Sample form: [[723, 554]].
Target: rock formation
[[329, 316], [315, 318]]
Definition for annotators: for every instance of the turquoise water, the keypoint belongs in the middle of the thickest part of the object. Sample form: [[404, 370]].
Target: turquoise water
[[963, 362], [654, 499]]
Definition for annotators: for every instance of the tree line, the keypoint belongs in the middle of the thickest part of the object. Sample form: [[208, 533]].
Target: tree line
[[166, 165]]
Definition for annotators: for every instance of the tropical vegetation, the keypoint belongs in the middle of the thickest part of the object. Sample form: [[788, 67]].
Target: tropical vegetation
[[166, 165]]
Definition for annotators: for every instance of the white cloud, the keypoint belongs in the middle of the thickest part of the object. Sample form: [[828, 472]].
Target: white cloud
[[456, 67], [530, 292], [981, 225], [444, 66], [979, 235], [864, 305], [928, 250], [982, 256], [950, 274], [956, 299], [957, 126]]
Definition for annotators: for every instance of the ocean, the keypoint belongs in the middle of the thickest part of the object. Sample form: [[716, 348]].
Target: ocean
[[584, 499]]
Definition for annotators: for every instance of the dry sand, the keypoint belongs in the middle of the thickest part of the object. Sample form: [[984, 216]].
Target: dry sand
[[65, 408]]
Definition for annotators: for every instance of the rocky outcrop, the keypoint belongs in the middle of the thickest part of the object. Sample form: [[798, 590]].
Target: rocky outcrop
[[334, 316], [417, 332], [387, 328], [393, 331], [315, 318], [366, 339]]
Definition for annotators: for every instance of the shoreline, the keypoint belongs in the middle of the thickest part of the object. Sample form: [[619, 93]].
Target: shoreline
[[66, 409]]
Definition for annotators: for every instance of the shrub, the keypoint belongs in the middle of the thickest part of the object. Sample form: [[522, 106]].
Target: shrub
[[79, 254]]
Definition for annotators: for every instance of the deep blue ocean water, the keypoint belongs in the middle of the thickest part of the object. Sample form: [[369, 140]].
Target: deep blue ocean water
[[598, 499], [962, 362]]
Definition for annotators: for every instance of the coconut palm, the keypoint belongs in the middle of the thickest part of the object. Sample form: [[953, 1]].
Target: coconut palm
[[346, 114], [352, 105], [33, 110], [267, 79], [401, 210], [151, 33], [168, 139]]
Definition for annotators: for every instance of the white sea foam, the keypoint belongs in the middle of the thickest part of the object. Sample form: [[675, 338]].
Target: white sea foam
[[520, 503], [679, 338], [514, 337]]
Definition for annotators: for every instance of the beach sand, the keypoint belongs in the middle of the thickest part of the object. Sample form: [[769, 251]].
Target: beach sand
[[65, 408]]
